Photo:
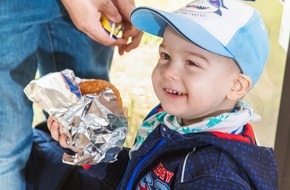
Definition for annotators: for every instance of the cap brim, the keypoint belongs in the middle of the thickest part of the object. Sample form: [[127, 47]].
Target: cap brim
[[154, 21]]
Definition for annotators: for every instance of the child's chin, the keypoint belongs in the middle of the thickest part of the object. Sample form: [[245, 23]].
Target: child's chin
[[170, 109]]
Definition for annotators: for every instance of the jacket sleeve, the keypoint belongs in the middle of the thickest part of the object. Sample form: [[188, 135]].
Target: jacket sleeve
[[208, 182], [111, 173]]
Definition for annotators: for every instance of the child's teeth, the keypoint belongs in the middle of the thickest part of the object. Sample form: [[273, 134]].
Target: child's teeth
[[173, 92]]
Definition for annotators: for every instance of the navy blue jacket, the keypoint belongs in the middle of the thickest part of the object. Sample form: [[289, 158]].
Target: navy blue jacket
[[166, 160], [203, 161]]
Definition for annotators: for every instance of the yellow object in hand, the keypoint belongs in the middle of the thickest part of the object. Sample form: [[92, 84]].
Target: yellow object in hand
[[112, 28]]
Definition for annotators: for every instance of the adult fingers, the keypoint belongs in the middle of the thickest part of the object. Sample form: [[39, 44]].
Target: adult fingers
[[86, 16], [133, 37], [108, 8], [136, 37], [98, 33]]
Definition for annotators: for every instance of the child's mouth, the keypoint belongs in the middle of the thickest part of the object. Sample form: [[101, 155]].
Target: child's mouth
[[174, 92]]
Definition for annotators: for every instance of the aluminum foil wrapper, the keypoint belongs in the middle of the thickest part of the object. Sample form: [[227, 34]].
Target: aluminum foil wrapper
[[95, 125]]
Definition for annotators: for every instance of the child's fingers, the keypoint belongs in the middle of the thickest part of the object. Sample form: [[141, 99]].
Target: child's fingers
[[54, 131], [49, 122], [57, 133], [63, 141], [54, 128]]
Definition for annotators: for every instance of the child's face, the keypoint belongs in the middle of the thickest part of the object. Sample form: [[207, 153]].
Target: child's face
[[190, 82]]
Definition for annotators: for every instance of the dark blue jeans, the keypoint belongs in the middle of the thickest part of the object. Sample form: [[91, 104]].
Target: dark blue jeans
[[36, 34]]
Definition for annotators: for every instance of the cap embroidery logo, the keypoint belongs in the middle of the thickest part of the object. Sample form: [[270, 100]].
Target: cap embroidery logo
[[204, 6]]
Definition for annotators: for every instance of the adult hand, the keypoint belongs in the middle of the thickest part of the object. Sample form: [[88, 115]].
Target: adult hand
[[56, 132], [86, 16], [131, 35]]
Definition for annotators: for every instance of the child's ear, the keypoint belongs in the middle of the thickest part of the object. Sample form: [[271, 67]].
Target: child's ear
[[240, 87]]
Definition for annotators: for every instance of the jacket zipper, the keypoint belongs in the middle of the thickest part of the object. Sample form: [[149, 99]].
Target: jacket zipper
[[184, 164], [141, 162]]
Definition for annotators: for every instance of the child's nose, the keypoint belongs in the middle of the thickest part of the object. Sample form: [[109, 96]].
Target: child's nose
[[171, 72]]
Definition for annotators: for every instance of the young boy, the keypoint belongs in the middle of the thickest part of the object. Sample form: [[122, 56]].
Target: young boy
[[199, 137]]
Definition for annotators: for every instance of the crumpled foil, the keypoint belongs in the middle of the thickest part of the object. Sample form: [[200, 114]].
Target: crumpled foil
[[94, 124]]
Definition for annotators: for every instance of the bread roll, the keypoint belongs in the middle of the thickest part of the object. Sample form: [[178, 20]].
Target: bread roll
[[96, 86]]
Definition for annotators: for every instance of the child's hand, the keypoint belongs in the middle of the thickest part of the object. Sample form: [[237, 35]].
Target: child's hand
[[56, 132]]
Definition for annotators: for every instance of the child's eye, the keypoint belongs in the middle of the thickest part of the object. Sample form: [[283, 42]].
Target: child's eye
[[191, 63], [164, 56]]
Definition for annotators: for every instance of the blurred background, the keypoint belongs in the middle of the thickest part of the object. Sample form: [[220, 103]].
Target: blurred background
[[131, 73]]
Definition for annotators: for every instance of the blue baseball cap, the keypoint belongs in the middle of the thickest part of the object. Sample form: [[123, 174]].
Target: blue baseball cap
[[226, 27]]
